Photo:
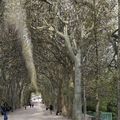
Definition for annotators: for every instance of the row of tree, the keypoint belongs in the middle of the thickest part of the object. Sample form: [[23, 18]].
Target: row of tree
[[15, 84], [75, 52]]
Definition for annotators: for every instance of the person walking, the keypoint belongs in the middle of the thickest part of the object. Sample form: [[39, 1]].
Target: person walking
[[32, 104], [25, 107], [4, 112], [51, 109]]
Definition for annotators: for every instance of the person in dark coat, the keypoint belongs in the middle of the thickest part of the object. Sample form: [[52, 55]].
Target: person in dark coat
[[51, 108], [4, 112]]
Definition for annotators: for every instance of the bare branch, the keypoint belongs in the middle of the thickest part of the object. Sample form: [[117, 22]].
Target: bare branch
[[65, 36], [68, 44], [52, 28], [75, 45], [48, 2], [65, 22], [39, 28]]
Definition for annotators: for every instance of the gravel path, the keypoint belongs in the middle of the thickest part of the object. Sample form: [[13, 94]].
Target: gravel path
[[36, 113]]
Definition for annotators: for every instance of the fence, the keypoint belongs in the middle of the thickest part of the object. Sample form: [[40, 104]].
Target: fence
[[103, 115]]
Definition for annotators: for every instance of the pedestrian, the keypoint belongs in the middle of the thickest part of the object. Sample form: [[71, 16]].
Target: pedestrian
[[4, 112], [51, 109], [32, 104], [47, 107], [58, 112], [25, 107]]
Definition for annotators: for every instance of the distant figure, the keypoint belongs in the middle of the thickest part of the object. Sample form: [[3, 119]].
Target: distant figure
[[4, 112], [32, 104], [25, 107], [47, 107], [58, 112], [51, 108]]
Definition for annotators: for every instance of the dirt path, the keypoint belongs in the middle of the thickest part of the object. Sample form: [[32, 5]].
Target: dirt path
[[36, 113]]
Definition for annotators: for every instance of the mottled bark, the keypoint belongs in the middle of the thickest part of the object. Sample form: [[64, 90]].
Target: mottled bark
[[77, 90]]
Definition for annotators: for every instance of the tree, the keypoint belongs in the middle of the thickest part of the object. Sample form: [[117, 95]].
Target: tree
[[15, 16], [118, 61]]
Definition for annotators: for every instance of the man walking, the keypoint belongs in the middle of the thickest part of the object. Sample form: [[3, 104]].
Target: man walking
[[4, 112], [51, 108]]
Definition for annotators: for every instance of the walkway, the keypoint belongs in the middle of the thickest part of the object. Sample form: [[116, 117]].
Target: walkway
[[36, 113]]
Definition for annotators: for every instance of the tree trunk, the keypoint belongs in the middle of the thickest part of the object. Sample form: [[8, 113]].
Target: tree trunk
[[84, 92], [97, 60], [59, 97], [77, 104], [118, 99], [118, 87], [97, 107], [18, 20]]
